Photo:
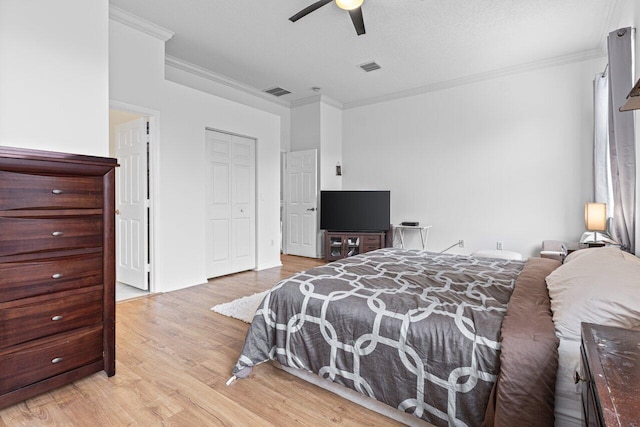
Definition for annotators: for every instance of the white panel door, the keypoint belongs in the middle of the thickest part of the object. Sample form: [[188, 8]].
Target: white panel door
[[302, 203], [230, 204], [131, 203]]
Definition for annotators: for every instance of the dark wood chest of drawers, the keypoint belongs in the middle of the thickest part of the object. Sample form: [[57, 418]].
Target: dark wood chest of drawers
[[57, 270], [611, 376]]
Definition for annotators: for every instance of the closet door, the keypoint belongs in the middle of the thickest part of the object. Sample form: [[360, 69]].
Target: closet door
[[230, 204]]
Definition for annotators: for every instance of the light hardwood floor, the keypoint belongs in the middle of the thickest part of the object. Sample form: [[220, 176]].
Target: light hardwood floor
[[173, 357]]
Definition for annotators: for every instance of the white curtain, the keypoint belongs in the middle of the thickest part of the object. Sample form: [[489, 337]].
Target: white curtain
[[622, 137], [602, 186]]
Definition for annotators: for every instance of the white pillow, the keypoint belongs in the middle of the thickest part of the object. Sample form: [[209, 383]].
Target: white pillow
[[600, 286]]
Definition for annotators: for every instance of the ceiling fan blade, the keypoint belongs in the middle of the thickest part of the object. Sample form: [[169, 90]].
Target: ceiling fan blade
[[358, 20], [307, 10]]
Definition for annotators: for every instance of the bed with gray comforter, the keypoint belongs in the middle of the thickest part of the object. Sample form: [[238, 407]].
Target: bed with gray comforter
[[418, 331]]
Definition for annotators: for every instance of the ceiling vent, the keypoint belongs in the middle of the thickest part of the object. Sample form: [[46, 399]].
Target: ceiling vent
[[277, 91], [370, 66]]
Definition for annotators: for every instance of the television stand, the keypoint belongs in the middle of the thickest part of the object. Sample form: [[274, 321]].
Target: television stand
[[343, 244]]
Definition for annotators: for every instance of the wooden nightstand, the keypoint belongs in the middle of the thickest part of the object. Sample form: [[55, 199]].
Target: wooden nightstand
[[611, 375]]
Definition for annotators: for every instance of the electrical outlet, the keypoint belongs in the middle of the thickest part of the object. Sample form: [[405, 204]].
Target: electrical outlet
[[461, 243], [499, 246], [273, 243]]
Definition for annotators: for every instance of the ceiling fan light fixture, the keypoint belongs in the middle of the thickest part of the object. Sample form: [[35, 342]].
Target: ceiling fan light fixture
[[349, 4]]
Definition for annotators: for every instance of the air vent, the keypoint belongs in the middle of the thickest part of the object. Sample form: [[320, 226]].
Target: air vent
[[277, 91], [370, 66]]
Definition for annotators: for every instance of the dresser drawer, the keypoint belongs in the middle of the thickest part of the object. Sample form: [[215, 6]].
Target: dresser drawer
[[28, 235], [32, 278], [29, 363], [27, 320], [371, 243], [371, 240], [26, 191]]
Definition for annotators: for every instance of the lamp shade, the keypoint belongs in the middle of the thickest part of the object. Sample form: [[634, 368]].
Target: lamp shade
[[349, 4], [595, 216]]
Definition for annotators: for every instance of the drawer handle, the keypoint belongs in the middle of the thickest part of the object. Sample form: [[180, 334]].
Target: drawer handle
[[56, 360], [56, 318], [56, 276], [57, 233], [57, 191], [577, 378]]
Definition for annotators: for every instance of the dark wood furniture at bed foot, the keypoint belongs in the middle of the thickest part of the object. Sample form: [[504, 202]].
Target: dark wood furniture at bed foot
[[338, 245], [610, 375], [57, 270]]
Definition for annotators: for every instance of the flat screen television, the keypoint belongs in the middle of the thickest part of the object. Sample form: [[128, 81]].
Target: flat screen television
[[355, 210]]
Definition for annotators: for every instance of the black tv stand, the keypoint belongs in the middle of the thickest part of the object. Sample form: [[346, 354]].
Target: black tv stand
[[343, 244]]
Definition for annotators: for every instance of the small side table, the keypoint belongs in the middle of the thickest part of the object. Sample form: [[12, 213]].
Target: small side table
[[558, 250], [423, 229]]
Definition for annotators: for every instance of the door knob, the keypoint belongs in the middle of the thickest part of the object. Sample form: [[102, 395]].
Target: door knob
[[311, 209], [117, 211]]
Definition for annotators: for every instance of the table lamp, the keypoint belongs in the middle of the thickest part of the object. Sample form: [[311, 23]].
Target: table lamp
[[595, 219]]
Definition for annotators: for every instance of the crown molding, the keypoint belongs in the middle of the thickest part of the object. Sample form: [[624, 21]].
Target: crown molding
[[306, 101], [314, 99], [332, 102], [137, 23], [489, 75], [172, 61]]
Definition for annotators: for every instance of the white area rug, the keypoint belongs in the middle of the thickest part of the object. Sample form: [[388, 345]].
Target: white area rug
[[243, 308]]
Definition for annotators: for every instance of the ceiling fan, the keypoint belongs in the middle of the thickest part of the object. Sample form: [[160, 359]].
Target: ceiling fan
[[352, 6]]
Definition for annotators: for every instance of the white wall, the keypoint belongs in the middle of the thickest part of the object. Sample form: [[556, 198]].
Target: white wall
[[305, 127], [137, 70], [54, 75], [214, 87], [507, 159], [331, 143]]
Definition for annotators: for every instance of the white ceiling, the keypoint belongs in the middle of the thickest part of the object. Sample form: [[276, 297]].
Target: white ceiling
[[418, 43]]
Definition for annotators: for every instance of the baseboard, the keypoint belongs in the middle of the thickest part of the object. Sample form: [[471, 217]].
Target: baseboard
[[267, 266]]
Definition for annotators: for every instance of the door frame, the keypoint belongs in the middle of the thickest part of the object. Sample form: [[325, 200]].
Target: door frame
[[154, 143], [284, 200], [256, 188]]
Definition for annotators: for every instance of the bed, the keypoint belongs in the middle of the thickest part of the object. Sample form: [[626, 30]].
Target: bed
[[447, 339]]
